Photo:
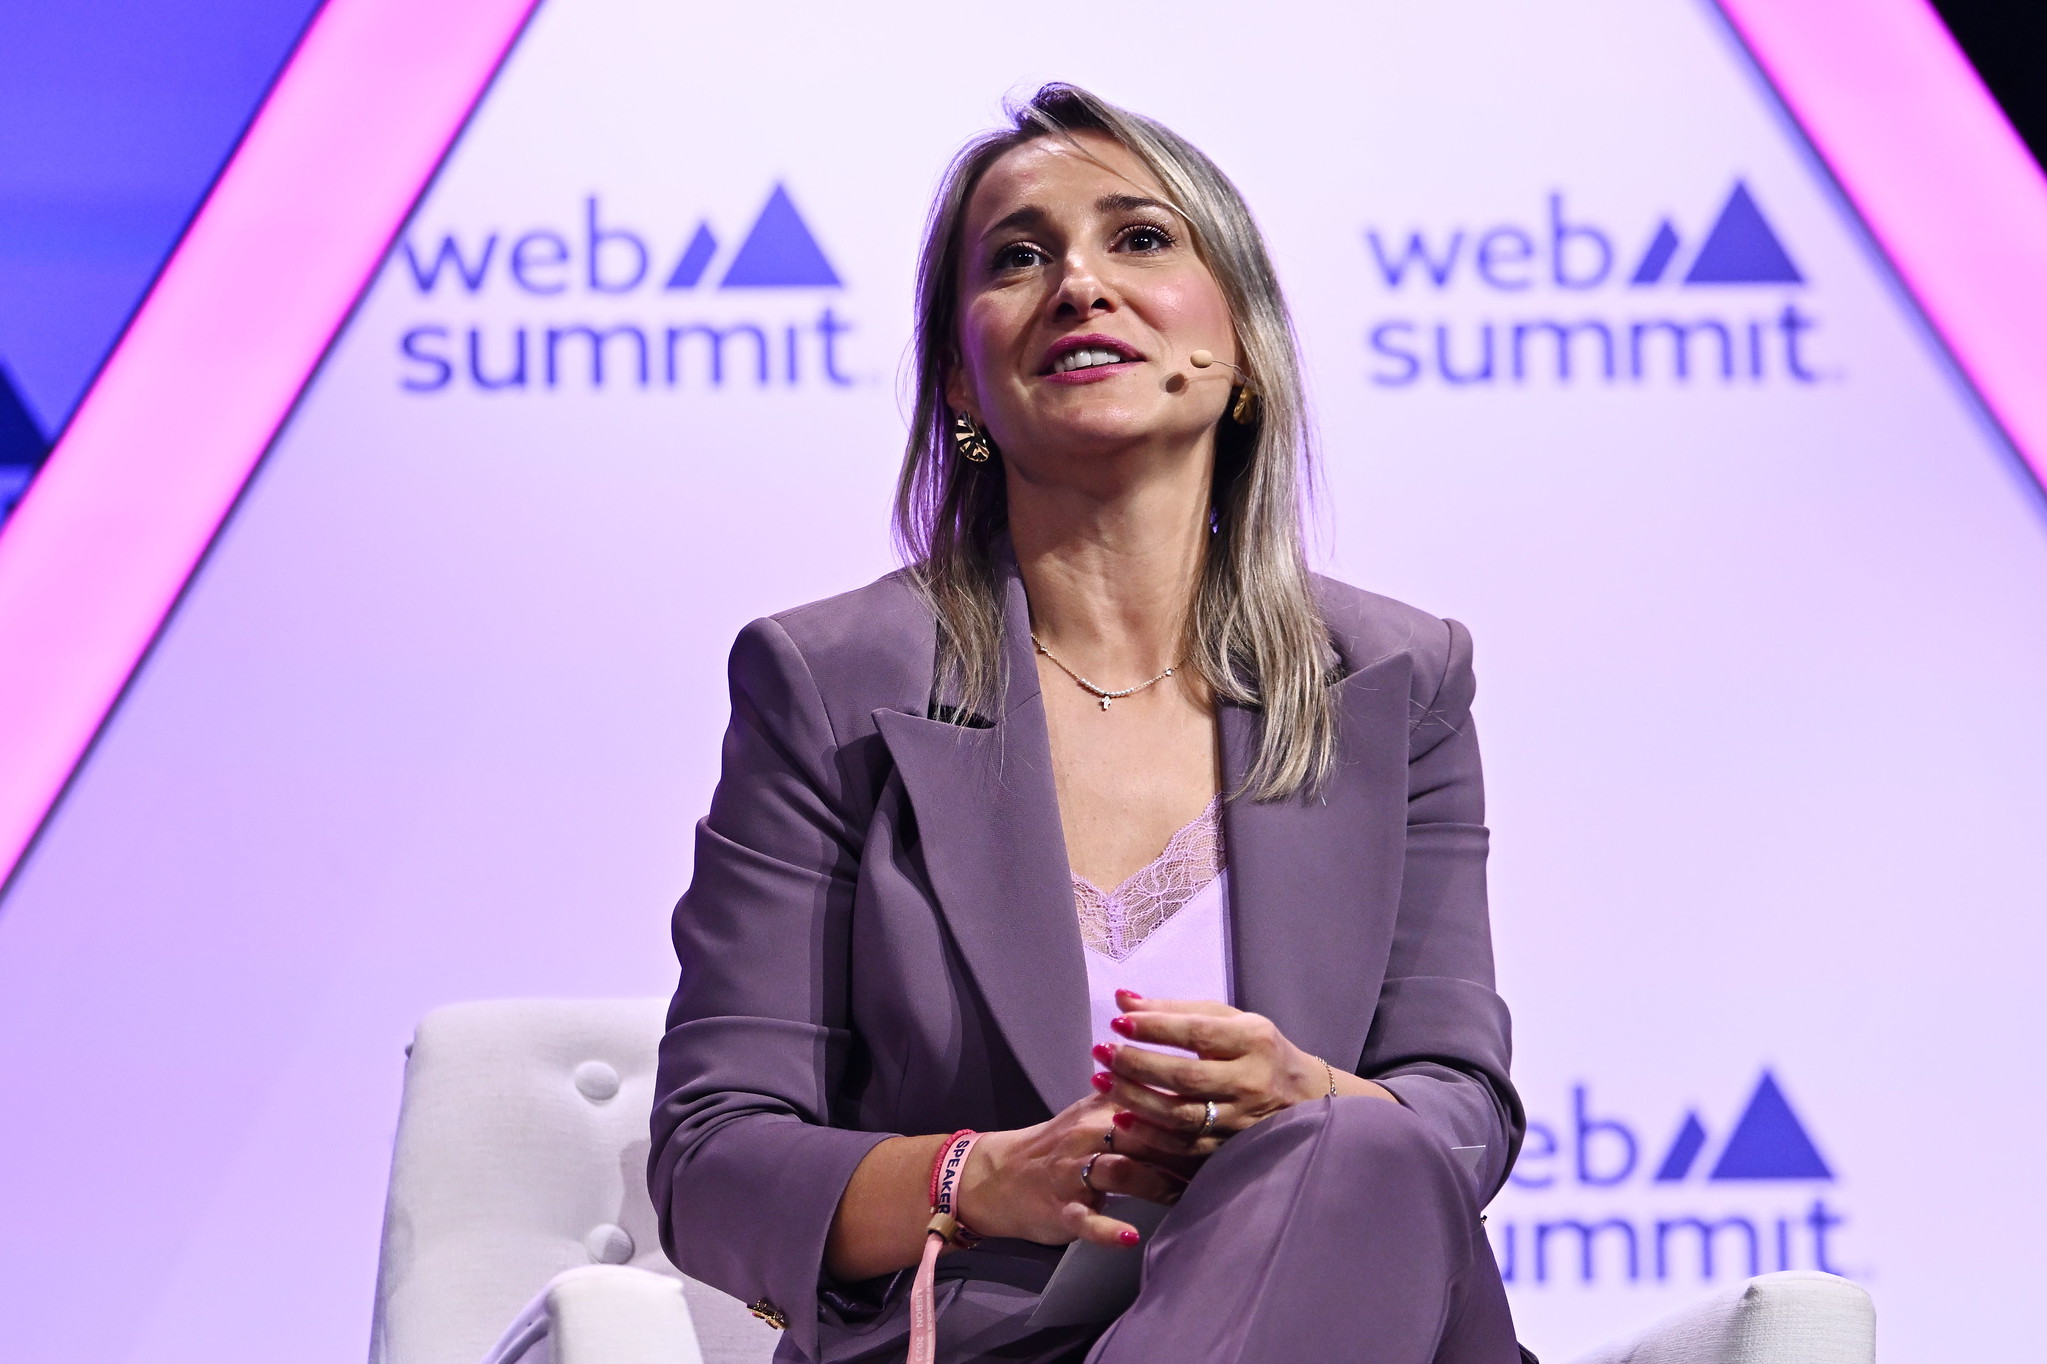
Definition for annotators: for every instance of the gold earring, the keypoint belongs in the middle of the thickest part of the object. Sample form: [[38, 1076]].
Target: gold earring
[[970, 439], [1241, 410]]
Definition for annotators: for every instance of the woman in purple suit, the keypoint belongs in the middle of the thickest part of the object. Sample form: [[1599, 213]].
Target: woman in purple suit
[[1103, 850]]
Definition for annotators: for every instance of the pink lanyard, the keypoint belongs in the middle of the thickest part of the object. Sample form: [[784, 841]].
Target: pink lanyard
[[945, 1229]]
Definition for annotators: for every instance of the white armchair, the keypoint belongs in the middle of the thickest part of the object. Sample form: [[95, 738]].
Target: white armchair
[[518, 1229], [520, 1168]]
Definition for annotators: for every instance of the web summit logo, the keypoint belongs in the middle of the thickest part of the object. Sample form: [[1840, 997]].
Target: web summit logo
[[664, 325], [1658, 330], [1586, 1205]]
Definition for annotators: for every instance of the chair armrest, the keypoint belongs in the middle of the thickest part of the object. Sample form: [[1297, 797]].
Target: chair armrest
[[602, 1314], [1797, 1317]]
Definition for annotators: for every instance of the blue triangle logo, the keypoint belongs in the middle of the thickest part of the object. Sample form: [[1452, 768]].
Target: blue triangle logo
[[1769, 1142], [779, 252], [1684, 1149], [1741, 248], [696, 257], [1657, 258]]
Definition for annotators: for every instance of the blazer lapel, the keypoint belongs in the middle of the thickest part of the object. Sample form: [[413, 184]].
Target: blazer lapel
[[987, 813], [1315, 884]]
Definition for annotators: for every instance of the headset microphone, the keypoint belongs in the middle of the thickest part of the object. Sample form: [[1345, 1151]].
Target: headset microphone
[[1243, 409], [1202, 359]]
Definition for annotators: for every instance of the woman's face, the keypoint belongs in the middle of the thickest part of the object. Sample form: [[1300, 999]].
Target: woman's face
[[1081, 299]]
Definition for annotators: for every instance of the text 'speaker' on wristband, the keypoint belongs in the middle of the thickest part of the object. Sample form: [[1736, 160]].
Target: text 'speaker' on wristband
[[944, 1229]]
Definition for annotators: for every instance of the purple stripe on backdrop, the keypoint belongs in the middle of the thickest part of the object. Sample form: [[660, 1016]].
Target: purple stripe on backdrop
[[115, 120], [97, 553], [1935, 170]]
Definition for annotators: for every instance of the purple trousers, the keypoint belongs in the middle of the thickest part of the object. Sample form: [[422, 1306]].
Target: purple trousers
[[1340, 1232]]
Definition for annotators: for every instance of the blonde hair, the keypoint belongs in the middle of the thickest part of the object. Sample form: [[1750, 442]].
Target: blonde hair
[[1255, 634]]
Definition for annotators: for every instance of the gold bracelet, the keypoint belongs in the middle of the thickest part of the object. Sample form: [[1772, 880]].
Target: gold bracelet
[[1331, 1070]]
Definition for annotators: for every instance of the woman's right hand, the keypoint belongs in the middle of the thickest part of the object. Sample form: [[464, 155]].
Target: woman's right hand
[[1026, 1183]]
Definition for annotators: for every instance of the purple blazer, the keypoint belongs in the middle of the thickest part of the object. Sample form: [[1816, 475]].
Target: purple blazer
[[880, 934]]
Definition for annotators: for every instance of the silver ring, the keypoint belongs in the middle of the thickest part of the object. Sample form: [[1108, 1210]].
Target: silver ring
[[1207, 1120], [1109, 1139], [1087, 1168]]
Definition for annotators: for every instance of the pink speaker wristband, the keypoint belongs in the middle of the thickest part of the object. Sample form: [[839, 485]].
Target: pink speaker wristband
[[945, 1229]]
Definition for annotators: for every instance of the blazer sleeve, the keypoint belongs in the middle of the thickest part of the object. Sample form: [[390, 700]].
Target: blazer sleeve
[[746, 1170], [1440, 1037]]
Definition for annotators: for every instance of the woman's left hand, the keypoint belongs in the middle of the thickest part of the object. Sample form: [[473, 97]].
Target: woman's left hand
[[1242, 1064]]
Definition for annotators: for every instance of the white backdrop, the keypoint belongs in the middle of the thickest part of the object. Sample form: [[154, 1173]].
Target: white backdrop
[[1761, 648]]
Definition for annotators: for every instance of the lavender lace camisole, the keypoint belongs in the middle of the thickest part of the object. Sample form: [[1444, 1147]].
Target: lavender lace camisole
[[1164, 932]]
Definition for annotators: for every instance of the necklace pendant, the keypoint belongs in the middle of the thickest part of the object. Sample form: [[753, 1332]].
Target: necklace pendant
[[1105, 703]]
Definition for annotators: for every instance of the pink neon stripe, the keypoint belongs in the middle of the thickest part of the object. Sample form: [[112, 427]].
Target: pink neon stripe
[[1941, 178], [97, 552]]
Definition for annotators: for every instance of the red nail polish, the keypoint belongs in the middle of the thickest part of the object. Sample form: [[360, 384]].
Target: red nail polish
[[1130, 994], [1121, 1023], [1124, 1119], [1128, 1236], [1104, 1053], [1104, 1082]]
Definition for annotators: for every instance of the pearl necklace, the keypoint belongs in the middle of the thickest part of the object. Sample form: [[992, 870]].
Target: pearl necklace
[[1102, 694]]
